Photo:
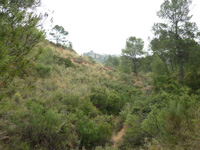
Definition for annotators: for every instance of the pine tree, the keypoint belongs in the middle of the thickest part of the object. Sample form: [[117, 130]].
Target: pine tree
[[134, 48], [18, 35], [171, 37]]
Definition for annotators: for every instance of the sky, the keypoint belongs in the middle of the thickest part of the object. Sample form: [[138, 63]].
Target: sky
[[104, 25]]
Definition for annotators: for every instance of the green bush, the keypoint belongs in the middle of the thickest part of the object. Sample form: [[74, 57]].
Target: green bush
[[106, 101], [71, 101], [165, 83], [122, 117], [105, 124], [63, 61], [94, 132], [158, 66], [134, 135], [43, 70], [87, 107], [46, 57], [113, 104], [89, 132], [38, 126], [99, 97], [192, 80], [171, 123]]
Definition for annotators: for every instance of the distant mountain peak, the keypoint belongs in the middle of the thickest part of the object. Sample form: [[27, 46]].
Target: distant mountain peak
[[98, 57]]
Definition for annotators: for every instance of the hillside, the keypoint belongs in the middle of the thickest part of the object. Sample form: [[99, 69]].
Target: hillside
[[97, 57], [51, 98], [63, 93], [67, 101]]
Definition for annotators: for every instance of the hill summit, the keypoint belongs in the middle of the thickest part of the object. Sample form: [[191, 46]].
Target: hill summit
[[98, 57]]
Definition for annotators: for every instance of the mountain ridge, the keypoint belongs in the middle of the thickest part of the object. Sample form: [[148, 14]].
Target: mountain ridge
[[99, 57]]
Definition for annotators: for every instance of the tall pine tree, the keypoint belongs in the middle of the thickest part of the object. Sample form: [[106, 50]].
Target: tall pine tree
[[172, 37], [134, 48]]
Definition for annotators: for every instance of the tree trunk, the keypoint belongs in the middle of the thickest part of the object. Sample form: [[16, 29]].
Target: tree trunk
[[172, 66], [180, 54], [135, 67], [181, 68]]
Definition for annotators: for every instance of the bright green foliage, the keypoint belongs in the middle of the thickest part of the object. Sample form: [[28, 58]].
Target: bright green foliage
[[18, 36]]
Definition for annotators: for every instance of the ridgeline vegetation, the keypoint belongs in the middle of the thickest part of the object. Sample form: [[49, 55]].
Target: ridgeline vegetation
[[53, 99]]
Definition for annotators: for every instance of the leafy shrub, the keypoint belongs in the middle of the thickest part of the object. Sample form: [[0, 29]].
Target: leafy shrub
[[192, 80], [94, 132], [158, 66], [63, 61], [122, 117], [105, 124], [165, 83], [46, 57], [171, 124], [113, 104], [89, 132], [106, 101], [99, 97], [71, 101], [38, 126], [43, 70], [87, 107], [134, 135], [124, 91]]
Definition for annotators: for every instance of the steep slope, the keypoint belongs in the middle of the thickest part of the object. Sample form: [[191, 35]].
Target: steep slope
[[62, 101]]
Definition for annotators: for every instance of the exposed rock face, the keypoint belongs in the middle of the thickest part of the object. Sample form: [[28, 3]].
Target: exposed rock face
[[97, 57]]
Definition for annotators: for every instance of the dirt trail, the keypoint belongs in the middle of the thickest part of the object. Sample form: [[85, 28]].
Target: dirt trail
[[118, 137], [145, 89]]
